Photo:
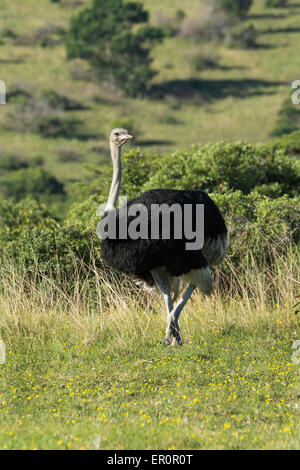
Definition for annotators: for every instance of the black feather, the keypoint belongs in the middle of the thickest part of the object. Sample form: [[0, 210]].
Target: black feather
[[139, 257]]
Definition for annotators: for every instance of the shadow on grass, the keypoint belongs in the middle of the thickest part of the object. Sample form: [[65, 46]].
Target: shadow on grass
[[11, 61], [209, 90], [291, 5], [265, 16], [280, 30]]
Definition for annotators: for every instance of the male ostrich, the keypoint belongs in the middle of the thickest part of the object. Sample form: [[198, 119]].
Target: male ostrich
[[165, 261]]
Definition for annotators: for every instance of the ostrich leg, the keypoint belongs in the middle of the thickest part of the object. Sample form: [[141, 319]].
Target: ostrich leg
[[173, 335], [173, 330], [163, 285]]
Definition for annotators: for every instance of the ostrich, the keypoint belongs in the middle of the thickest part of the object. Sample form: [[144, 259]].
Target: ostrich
[[164, 262]]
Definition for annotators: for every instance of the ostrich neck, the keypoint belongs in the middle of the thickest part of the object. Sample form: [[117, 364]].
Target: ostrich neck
[[116, 153]]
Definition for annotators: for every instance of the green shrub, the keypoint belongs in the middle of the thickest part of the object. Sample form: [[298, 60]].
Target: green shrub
[[258, 225], [242, 37], [15, 217], [58, 101], [236, 8], [10, 162], [33, 181], [211, 167], [32, 239], [54, 252], [55, 126], [289, 143], [43, 114], [204, 59]]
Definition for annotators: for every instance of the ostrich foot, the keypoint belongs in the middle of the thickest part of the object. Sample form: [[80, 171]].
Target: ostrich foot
[[173, 335]]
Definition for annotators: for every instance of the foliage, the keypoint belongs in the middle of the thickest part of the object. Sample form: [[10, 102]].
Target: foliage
[[212, 167], [106, 34], [33, 181], [15, 217], [44, 114], [236, 8], [289, 143], [58, 101], [242, 37], [256, 222], [57, 252], [204, 59], [56, 126]]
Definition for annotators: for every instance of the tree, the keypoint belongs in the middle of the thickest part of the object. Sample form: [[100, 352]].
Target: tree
[[106, 35]]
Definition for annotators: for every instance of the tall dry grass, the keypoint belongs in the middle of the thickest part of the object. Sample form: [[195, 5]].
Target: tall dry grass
[[102, 307]]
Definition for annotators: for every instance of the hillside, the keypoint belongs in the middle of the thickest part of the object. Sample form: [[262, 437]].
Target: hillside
[[239, 100]]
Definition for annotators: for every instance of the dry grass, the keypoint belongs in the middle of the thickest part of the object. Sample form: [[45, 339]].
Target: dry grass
[[115, 310]]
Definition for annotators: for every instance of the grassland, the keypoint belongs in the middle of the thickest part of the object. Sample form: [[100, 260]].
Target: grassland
[[86, 373]]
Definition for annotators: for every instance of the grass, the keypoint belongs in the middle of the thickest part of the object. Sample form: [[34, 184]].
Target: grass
[[238, 101], [87, 372]]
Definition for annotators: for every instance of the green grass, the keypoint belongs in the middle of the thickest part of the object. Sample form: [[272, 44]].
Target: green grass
[[232, 389], [241, 99]]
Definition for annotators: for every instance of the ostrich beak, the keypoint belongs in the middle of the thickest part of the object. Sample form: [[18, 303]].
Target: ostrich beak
[[127, 137]]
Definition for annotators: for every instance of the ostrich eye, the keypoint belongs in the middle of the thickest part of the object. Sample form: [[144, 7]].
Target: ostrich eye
[[117, 134]]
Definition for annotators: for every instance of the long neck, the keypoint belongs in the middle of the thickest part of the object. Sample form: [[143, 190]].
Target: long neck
[[116, 153]]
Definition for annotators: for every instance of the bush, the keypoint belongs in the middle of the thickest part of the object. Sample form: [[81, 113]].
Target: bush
[[242, 37], [204, 59], [236, 8], [58, 101], [56, 126], [258, 225], [10, 162], [44, 115], [212, 167], [289, 143], [15, 217], [55, 252], [33, 181]]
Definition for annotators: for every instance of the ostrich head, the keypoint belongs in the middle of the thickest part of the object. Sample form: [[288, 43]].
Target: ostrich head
[[119, 137]]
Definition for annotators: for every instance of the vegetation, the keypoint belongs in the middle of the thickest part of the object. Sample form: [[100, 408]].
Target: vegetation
[[105, 34], [236, 8]]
